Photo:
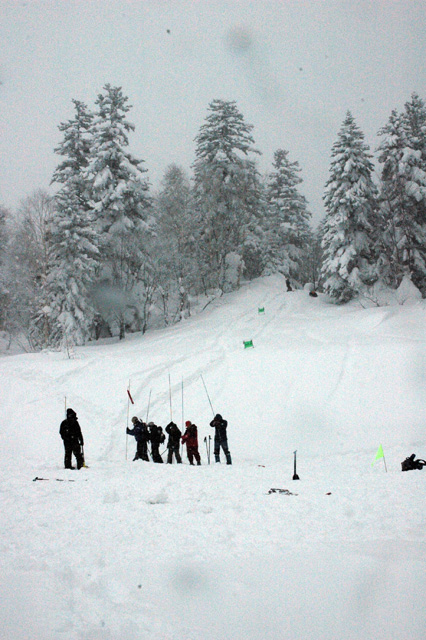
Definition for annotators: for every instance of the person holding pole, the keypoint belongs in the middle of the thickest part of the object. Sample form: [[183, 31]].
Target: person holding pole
[[72, 438], [220, 438], [173, 443], [157, 437], [190, 438], [140, 432]]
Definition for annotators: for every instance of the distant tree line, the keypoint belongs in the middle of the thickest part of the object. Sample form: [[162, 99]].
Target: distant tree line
[[106, 255]]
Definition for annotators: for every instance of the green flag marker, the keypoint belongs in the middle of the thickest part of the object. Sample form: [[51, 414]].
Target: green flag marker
[[379, 455], [261, 310], [248, 343]]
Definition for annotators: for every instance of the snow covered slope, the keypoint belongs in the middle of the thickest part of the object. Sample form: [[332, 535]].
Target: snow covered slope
[[132, 550]]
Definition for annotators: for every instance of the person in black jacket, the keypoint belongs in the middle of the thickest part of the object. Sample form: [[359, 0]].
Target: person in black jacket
[[220, 438], [72, 437], [140, 431], [173, 443], [157, 437]]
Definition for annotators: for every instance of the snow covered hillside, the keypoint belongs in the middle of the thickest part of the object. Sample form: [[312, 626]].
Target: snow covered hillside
[[132, 550]]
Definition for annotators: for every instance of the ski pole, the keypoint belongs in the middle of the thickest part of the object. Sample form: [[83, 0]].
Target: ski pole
[[207, 394], [210, 441], [207, 449]]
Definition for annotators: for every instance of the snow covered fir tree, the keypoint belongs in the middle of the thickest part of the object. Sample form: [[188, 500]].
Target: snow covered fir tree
[[108, 255], [74, 256], [402, 153], [226, 193], [120, 205], [73, 263], [351, 221], [287, 221]]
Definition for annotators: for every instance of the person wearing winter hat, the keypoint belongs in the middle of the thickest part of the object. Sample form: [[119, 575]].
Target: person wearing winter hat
[[140, 432], [72, 438], [220, 438], [190, 438]]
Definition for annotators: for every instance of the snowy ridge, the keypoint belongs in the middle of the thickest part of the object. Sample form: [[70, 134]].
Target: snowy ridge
[[133, 550]]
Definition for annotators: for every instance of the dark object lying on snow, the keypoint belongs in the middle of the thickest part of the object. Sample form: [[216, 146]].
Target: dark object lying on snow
[[285, 491], [410, 463]]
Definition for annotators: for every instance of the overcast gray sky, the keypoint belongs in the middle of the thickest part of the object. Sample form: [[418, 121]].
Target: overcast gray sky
[[293, 66]]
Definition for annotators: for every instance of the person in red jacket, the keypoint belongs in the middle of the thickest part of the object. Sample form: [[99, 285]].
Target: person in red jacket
[[190, 438]]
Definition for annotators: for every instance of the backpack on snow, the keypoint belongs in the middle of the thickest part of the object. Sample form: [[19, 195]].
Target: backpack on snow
[[410, 463]]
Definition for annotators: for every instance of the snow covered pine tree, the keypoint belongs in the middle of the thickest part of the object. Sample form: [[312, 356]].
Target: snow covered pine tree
[[403, 195], [287, 219], [351, 221], [227, 193], [120, 206], [75, 256]]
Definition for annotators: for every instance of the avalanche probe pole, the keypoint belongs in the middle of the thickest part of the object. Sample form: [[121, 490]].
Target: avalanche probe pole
[[128, 407], [207, 394], [149, 402], [182, 420], [170, 400], [295, 476]]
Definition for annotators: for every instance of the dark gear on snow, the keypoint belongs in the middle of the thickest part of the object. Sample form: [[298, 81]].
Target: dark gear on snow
[[190, 438], [157, 437], [410, 463], [220, 438], [140, 432], [173, 444], [72, 437]]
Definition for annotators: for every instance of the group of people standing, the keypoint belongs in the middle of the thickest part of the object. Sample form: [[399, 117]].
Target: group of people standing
[[151, 433], [72, 437]]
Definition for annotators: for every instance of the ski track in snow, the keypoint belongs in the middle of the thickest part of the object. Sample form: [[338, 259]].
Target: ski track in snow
[[169, 552]]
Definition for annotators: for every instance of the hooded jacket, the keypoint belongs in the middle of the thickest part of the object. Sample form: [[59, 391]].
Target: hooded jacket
[[220, 425], [70, 430]]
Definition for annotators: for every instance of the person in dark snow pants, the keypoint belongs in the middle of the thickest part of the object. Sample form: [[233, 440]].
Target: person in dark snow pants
[[173, 444], [220, 438], [140, 432], [190, 438], [72, 437], [157, 437]]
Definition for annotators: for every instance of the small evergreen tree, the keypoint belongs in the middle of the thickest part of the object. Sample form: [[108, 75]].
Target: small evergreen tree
[[350, 225]]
